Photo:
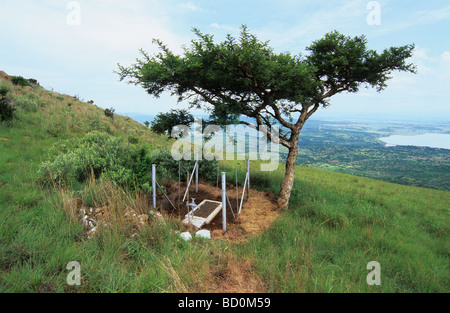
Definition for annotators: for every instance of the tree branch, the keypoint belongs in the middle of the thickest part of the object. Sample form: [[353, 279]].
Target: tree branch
[[272, 137]]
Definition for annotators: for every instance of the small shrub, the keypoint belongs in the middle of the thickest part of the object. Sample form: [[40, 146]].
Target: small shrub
[[133, 140], [26, 103], [96, 125], [110, 113], [4, 90], [55, 130], [20, 81], [99, 154], [6, 105], [33, 82], [169, 167], [6, 109]]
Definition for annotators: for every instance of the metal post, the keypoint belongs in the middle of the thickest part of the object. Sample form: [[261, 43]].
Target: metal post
[[154, 184], [187, 192], [237, 191], [196, 173], [248, 180], [187, 188], [224, 203], [179, 181]]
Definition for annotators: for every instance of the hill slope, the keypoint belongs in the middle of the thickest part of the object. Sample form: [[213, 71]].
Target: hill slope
[[335, 226]]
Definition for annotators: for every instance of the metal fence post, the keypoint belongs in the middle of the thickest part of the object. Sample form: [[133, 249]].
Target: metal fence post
[[248, 180], [196, 173], [154, 184], [224, 203]]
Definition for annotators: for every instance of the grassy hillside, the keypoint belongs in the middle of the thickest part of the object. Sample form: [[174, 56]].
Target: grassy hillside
[[336, 223]]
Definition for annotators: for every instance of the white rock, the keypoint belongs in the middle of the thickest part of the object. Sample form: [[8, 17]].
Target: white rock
[[84, 220], [92, 232], [203, 234], [186, 236], [91, 223]]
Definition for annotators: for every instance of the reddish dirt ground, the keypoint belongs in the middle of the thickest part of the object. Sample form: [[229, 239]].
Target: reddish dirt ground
[[256, 215]]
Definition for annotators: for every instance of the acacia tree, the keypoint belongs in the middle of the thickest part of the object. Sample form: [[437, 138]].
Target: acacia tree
[[165, 122], [245, 76]]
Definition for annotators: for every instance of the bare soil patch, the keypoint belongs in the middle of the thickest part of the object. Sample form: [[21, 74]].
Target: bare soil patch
[[257, 214], [236, 277]]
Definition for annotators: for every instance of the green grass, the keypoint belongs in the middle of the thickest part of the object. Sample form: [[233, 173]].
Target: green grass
[[338, 223], [335, 225]]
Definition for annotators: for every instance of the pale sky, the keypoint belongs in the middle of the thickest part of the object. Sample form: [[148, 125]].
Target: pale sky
[[73, 47]]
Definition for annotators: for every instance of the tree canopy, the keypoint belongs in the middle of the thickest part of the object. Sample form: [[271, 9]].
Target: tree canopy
[[165, 122], [244, 76]]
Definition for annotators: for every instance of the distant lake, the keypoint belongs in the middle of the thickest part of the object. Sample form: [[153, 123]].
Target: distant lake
[[425, 140]]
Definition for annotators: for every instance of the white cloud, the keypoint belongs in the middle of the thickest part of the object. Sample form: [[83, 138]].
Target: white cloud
[[224, 27], [310, 26], [394, 23], [444, 65], [189, 6], [107, 28]]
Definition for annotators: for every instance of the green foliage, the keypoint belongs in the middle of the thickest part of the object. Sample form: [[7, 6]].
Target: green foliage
[[20, 81], [3, 90], [110, 112], [96, 125], [335, 225], [168, 166], [245, 76], [102, 155], [33, 82], [27, 103], [97, 154], [165, 122], [6, 105], [343, 62]]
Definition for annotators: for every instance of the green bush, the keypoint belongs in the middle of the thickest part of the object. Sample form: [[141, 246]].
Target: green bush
[[165, 122], [33, 82], [20, 81], [3, 90], [6, 105], [97, 154], [27, 103], [126, 163], [110, 113], [168, 166]]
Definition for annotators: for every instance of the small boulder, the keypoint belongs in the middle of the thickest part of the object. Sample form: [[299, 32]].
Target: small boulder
[[92, 232], [186, 236], [203, 234]]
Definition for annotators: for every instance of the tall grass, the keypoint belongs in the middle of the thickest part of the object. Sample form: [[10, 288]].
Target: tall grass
[[335, 224]]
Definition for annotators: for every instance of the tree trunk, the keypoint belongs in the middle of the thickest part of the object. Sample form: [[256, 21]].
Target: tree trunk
[[288, 180]]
